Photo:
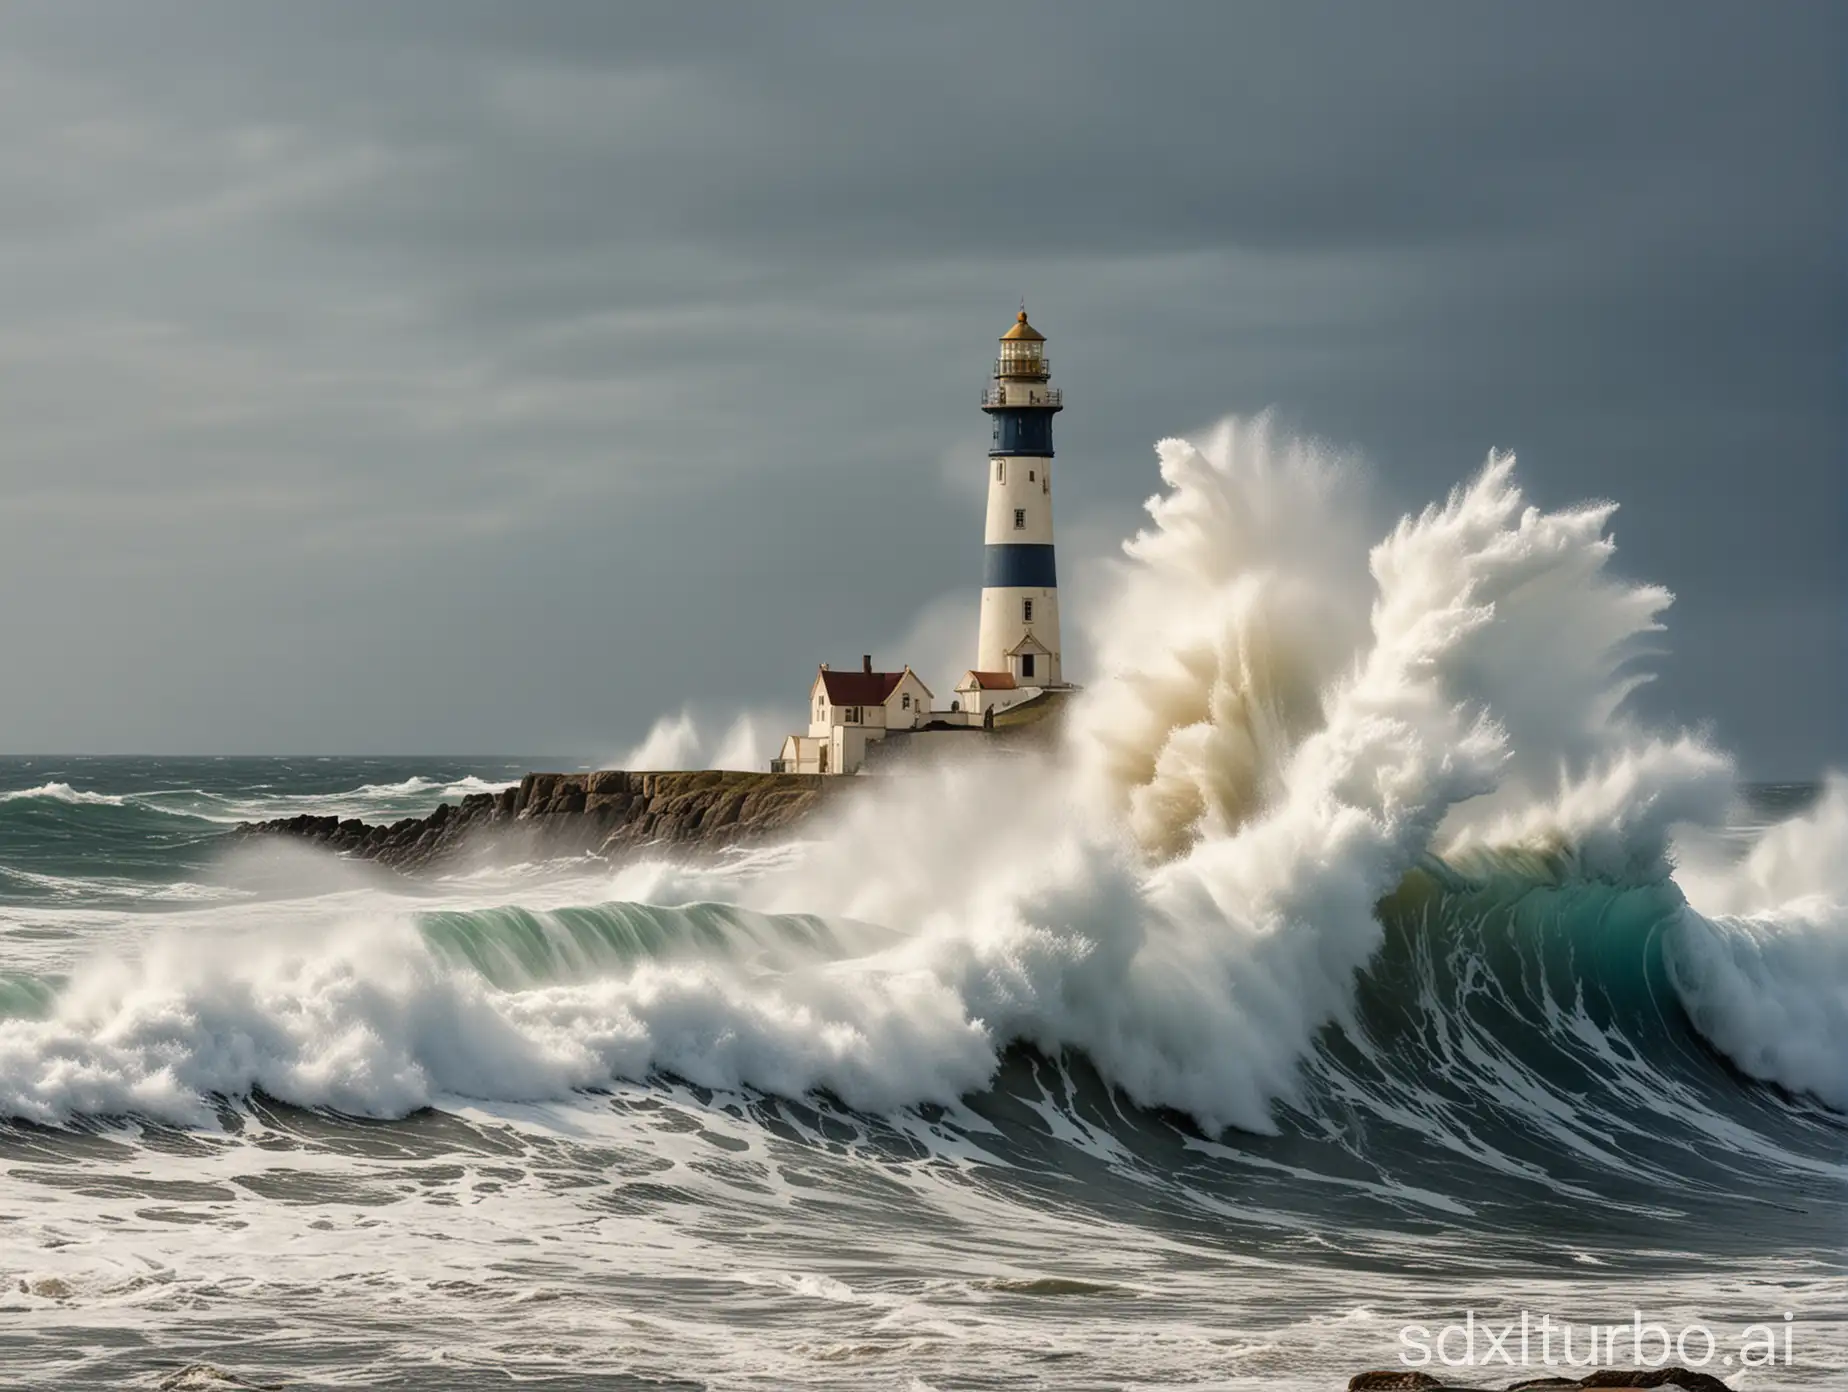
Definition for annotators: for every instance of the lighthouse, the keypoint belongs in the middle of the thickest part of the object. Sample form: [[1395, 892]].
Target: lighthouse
[[878, 720], [1019, 635]]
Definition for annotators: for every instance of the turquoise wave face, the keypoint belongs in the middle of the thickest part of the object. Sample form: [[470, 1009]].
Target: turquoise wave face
[[26, 997], [519, 949]]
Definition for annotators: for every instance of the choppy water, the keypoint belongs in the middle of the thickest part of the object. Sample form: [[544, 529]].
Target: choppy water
[[1289, 1005]]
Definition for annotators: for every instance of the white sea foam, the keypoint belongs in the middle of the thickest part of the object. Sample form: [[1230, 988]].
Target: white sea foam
[[62, 792], [411, 795], [470, 785], [1761, 955], [408, 796], [411, 787], [1185, 892]]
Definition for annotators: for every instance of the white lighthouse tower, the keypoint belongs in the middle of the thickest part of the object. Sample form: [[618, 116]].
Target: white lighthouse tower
[[1019, 637]]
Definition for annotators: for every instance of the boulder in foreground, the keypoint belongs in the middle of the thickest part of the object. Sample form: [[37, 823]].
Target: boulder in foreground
[[1605, 1379]]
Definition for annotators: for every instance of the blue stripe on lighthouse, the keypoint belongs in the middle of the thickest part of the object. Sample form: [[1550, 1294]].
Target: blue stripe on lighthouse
[[1019, 565], [1022, 431]]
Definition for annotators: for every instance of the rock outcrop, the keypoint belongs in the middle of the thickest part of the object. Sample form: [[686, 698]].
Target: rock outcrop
[[607, 813], [1614, 1379]]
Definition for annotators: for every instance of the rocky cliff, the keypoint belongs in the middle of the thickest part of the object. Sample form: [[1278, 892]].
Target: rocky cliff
[[553, 814]]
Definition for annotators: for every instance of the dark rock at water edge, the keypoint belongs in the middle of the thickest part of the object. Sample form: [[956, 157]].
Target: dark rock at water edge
[[1612, 1379], [606, 813]]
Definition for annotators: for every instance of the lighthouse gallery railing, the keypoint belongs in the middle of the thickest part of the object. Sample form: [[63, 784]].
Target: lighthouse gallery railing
[[1042, 396]]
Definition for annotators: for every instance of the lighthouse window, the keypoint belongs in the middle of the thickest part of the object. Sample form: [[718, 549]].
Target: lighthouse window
[[1026, 611], [1000, 467], [1020, 519], [1029, 476]]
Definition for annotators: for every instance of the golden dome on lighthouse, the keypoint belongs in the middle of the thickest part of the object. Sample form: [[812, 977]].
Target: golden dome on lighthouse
[[1023, 330]]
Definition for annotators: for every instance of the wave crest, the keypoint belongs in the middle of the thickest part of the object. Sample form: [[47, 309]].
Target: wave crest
[[64, 793]]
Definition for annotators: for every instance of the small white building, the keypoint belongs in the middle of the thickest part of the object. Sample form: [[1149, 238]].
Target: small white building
[[849, 710], [980, 693]]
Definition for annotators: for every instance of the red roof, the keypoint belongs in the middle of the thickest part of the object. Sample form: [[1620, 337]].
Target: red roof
[[995, 681], [859, 688]]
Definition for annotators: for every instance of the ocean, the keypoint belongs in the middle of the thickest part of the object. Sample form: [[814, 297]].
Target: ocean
[[1357, 978]]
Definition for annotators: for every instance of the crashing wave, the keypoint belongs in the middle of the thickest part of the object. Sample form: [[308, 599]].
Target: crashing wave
[[1197, 894]]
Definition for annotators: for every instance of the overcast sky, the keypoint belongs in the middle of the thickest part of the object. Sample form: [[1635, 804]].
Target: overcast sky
[[469, 378]]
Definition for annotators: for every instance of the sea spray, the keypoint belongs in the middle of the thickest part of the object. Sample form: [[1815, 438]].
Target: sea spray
[[1226, 622], [677, 742]]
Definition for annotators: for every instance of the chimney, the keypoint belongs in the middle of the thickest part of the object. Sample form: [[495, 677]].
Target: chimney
[[866, 664]]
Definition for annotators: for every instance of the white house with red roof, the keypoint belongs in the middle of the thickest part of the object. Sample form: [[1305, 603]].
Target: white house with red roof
[[849, 710]]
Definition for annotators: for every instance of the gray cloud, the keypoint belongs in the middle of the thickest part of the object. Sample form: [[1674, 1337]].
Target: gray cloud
[[479, 377]]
